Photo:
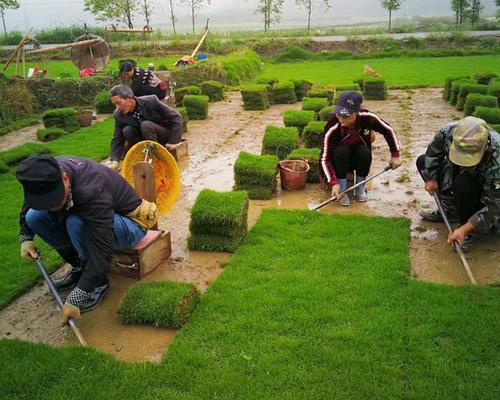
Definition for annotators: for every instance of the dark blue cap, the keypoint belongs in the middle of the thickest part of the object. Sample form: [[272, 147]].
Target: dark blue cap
[[348, 103]]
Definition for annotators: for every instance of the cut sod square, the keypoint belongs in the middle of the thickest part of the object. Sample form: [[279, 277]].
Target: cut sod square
[[494, 90], [326, 113], [352, 86], [256, 97], [490, 115], [214, 243], [315, 104], [196, 106], [298, 118], [476, 99], [465, 89], [302, 88], [183, 91], [49, 134], [279, 141], [312, 157], [185, 118], [374, 89], [484, 78], [63, 118], [213, 89], [322, 92], [312, 133], [163, 304], [256, 174], [447, 84], [284, 93], [17, 154], [455, 89], [264, 80]]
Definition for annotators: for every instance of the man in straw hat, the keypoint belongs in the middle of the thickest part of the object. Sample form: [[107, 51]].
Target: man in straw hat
[[462, 164], [85, 211]]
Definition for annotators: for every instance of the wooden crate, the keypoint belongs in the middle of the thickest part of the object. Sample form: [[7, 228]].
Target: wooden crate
[[180, 150], [136, 263]]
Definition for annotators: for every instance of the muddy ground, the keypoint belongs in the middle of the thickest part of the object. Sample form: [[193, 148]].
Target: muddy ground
[[213, 146]]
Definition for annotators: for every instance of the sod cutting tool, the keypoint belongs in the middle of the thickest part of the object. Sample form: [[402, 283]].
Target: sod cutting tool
[[352, 188], [60, 304]]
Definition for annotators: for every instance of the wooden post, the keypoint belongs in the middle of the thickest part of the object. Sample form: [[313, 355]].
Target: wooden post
[[144, 182]]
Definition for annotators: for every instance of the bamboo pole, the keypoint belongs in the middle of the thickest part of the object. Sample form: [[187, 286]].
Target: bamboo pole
[[65, 46], [16, 50], [124, 30]]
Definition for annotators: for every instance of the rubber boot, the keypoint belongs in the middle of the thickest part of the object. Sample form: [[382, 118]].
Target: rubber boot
[[360, 192], [449, 209], [344, 201]]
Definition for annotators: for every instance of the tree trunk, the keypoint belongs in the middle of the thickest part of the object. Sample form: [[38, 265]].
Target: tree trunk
[[172, 15], [309, 20], [128, 13], [3, 20], [192, 17], [390, 19]]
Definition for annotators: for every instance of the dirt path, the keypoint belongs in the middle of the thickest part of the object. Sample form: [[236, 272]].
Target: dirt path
[[214, 145]]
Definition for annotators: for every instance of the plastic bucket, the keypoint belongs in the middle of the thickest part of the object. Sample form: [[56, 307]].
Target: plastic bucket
[[293, 174]]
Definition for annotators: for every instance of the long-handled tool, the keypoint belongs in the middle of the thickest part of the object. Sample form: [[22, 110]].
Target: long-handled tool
[[455, 244], [60, 304], [352, 188]]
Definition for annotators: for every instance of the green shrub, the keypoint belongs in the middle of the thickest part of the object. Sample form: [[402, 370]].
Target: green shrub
[[19, 124], [338, 94], [490, 115], [465, 89], [293, 53], [64, 118], [298, 118], [315, 104], [374, 88], [484, 78], [325, 91], [185, 118], [279, 141], [103, 104], [17, 154], [196, 106], [312, 157], [312, 133], [326, 113], [447, 84], [284, 93], [302, 88], [164, 304], [455, 89], [494, 89], [48, 134], [181, 92], [476, 99], [256, 174], [210, 70], [218, 221], [213, 89], [255, 97]]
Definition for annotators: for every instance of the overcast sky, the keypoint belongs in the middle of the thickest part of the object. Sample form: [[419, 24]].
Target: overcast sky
[[234, 14]]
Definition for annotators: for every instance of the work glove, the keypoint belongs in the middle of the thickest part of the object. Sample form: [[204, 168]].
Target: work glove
[[71, 308], [28, 250], [115, 165], [69, 311], [146, 214], [395, 162], [336, 192]]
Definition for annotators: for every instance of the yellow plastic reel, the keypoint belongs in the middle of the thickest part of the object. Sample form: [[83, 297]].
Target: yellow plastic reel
[[166, 172]]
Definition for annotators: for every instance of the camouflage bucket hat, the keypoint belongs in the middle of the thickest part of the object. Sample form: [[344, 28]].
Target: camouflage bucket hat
[[470, 137]]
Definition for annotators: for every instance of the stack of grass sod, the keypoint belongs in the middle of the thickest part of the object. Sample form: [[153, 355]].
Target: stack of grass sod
[[475, 99], [256, 174], [447, 84], [302, 88], [312, 133], [218, 221], [465, 89], [326, 92], [312, 157], [284, 93], [196, 106], [280, 141], [315, 104], [352, 86], [484, 78], [490, 115], [326, 113], [256, 97], [103, 104], [185, 118], [10, 158], [183, 91], [298, 118], [49, 134], [374, 88], [163, 304], [455, 89], [63, 118], [494, 89], [213, 89]]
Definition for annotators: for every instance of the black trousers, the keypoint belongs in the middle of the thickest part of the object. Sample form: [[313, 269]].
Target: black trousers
[[149, 131], [465, 192], [349, 158]]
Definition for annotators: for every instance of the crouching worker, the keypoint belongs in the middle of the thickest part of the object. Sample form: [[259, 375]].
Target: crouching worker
[[141, 118], [143, 82], [85, 211], [462, 164], [347, 145]]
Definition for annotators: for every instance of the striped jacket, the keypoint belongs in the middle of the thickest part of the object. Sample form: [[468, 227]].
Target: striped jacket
[[440, 169], [366, 122]]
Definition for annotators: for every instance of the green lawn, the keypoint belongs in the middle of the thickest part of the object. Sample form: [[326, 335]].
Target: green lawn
[[312, 306], [399, 72]]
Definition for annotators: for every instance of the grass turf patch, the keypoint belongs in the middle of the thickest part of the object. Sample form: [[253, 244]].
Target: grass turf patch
[[64, 118], [455, 89], [241, 66], [326, 113], [183, 91], [475, 99], [49, 134], [213, 89], [255, 97], [465, 89], [279, 141], [283, 93], [302, 88], [185, 118], [312, 306], [312, 157], [196, 106], [312, 133], [374, 88], [490, 115], [19, 124], [163, 304], [494, 89], [325, 92], [447, 84], [315, 104], [256, 174], [298, 118]]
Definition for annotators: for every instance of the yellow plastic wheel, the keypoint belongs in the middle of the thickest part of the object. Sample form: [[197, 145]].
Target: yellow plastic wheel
[[166, 172]]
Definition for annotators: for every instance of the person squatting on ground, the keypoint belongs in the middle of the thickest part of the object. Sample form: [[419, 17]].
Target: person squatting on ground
[[85, 211], [143, 82], [141, 118], [347, 145], [462, 164]]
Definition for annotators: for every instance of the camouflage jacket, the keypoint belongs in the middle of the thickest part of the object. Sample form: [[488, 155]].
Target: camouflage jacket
[[487, 172]]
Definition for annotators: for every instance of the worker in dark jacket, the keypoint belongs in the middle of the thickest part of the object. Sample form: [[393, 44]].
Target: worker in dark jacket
[[141, 118], [143, 82], [347, 143], [462, 164], [85, 211]]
